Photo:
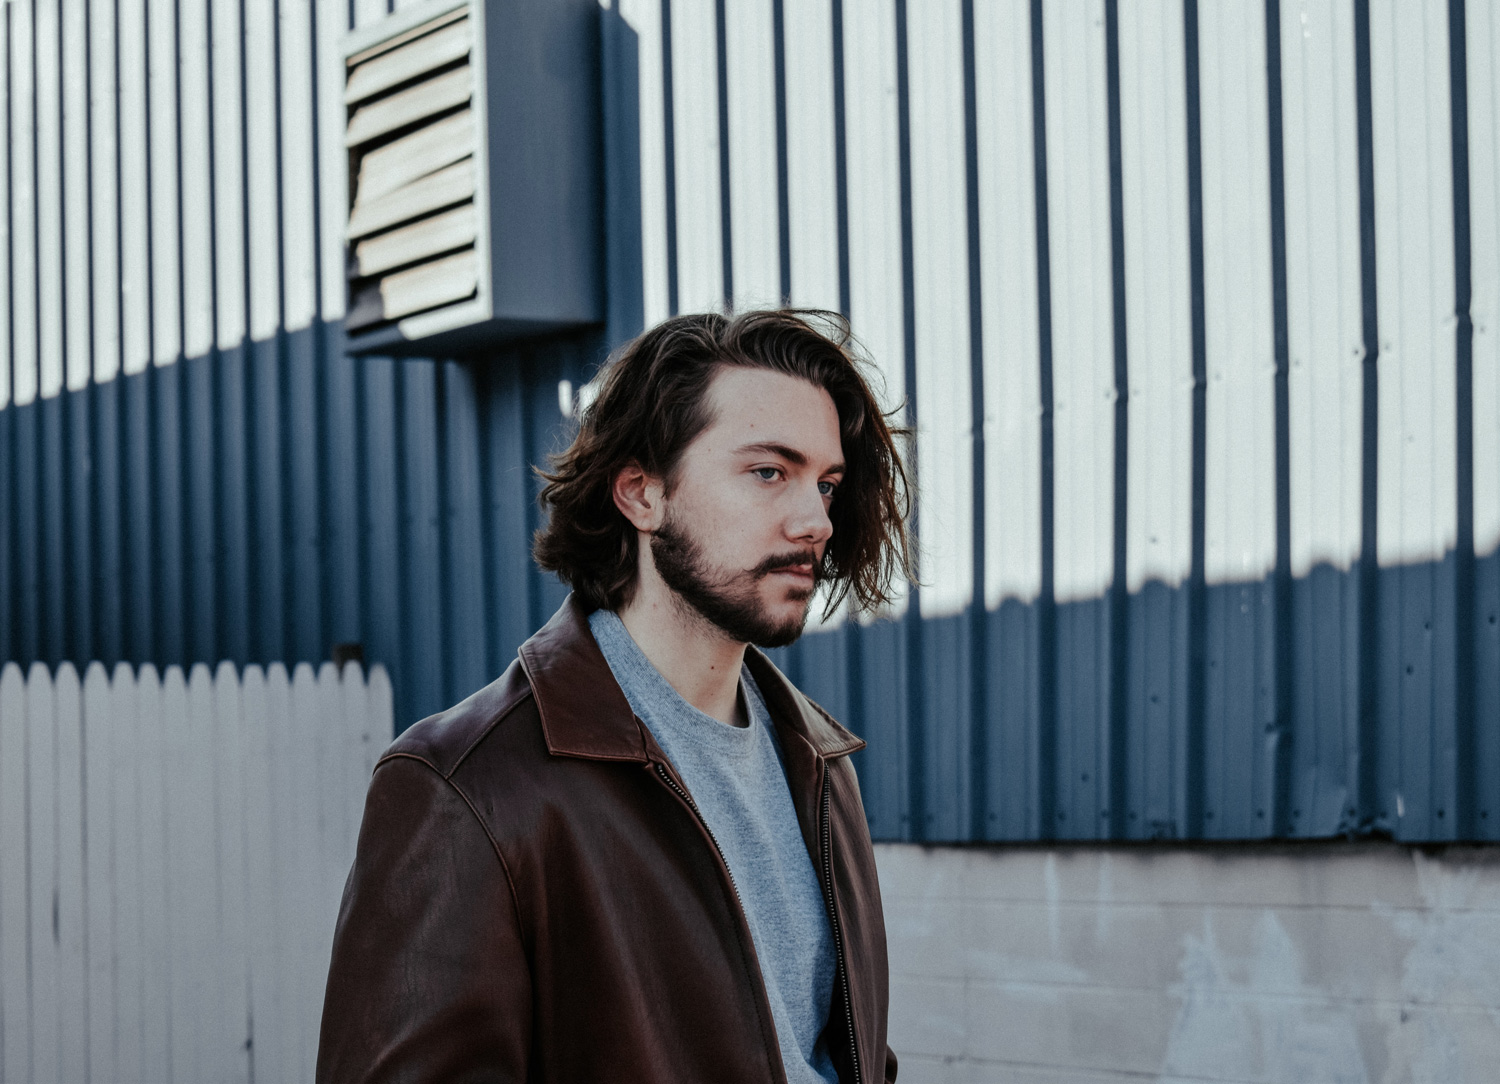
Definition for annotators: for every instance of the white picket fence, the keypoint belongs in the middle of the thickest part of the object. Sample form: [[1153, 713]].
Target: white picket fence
[[172, 850]]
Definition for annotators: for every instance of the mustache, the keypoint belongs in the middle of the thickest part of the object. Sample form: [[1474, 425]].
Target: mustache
[[779, 561]]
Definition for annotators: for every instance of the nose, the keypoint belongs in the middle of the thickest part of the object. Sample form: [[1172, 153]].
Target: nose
[[809, 524]]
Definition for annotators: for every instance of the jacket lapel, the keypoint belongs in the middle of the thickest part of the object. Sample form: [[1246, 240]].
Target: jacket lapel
[[585, 714]]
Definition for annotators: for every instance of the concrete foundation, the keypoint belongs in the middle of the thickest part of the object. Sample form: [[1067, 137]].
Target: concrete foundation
[[1310, 964]]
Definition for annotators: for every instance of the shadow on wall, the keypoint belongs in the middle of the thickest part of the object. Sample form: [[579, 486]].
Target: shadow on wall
[[268, 502], [1229, 711]]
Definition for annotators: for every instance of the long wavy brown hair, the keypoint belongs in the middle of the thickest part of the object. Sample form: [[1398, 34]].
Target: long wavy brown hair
[[652, 403]]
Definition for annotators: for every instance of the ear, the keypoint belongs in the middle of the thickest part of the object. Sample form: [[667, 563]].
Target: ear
[[638, 496]]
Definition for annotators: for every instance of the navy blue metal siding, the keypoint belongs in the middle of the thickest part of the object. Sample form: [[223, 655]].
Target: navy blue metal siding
[[252, 530], [271, 498]]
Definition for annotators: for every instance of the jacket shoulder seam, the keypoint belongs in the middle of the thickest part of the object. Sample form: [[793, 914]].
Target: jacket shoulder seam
[[510, 881], [529, 694]]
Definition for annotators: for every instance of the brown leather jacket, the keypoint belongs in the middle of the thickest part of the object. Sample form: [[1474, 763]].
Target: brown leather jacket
[[535, 897]]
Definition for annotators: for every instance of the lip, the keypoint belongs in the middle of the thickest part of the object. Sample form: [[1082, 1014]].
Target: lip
[[801, 572]]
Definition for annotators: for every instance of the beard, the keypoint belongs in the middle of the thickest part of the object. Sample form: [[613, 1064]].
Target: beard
[[731, 603]]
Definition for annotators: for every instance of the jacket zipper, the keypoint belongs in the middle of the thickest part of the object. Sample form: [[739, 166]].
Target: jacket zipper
[[838, 933], [688, 798], [833, 915]]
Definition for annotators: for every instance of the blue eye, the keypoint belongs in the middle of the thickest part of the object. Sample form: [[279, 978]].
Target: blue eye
[[766, 474], [827, 488]]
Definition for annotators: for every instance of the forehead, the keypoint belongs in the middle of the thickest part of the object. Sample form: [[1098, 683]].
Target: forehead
[[759, 406]]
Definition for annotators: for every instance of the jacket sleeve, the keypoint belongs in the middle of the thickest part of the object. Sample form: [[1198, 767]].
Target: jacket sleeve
[[429, 979]]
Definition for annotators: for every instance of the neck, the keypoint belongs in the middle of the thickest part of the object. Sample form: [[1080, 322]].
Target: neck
[[695, 657]]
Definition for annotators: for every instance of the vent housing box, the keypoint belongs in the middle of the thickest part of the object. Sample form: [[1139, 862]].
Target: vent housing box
[[475, 210]]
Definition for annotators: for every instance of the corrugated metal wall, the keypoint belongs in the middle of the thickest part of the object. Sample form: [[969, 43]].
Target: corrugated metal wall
[[1193, 304]]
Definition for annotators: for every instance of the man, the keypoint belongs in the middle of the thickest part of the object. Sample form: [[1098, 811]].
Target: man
[[640, 855]]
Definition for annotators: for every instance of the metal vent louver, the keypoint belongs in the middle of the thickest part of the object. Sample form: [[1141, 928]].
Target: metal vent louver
[[475, 182], [412, 140]]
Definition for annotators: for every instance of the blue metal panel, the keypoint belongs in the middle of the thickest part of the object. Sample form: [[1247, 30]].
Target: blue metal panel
[[8, 608], [339, 452], [230, 449], [1486, 634], [106, 596], [302, 412], [267, 502], [463, 537], [419, 577], [78, 491], [201, 503], [51, 558]]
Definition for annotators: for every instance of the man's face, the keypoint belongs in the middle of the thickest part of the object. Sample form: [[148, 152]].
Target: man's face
[[747, 519]]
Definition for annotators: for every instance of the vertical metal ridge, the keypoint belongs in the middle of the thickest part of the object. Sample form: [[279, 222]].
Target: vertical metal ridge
[[783, 193], [1047, 736], [1195, 779], [1368, 752], [912, 619], [726, 181], [1466, 819], [1278, 816], [1119, 633], [669, 144], [977, 615], [840, 155]]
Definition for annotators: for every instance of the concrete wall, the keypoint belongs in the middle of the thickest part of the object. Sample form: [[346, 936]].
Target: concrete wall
[[1308, 964]]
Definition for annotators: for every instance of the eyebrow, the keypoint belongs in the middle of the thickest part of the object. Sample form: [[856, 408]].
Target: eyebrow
[[791, 455]]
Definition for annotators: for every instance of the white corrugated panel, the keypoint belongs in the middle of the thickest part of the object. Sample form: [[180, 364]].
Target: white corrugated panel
[[135, 212], [23, 272], [165, 196], [940, 265], [644, 17], [812, 196], [1323, 283], [754, 213], [300, 247], [261, 157], [229, 184], [198, 211], [874, 189], [1240, 438], [695, 124], [49, 227], [1484, 210], [79, 344], [7, 356], [1008, 299], [1416, 503], [1082, 300], [104, 162], [1158, 295]]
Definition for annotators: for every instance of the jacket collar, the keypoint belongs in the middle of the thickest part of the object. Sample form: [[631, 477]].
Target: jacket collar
[[585, 714]]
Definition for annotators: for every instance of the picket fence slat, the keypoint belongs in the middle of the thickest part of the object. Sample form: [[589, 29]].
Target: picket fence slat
[[68, 914], [41, 823], [15, 992], [173, 848], [235, 1028], [128, 994], [98, 841]]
